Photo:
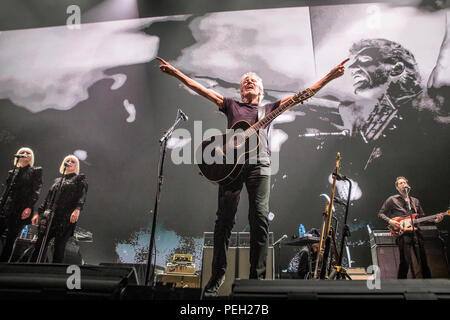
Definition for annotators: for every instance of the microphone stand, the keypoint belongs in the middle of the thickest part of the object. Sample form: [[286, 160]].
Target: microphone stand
[[413, 233], [236, 258], [12, 177], [341, 273], [275, 244], [163, 147], [51, 215]]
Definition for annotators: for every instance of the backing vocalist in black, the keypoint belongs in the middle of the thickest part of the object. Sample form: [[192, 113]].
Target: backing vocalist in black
[[19, 202], [397, 206], [68, 203]]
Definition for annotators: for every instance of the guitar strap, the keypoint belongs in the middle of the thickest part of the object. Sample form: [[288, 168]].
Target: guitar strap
[[261, 112], [414, 205]]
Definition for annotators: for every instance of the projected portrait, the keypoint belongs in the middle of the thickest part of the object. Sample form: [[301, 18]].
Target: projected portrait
[[384, 70]]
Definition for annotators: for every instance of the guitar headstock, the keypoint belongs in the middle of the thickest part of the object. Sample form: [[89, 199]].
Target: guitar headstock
[[338, 160], [302, 96]]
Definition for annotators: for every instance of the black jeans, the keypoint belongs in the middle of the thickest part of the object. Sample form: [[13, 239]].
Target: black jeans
[[405, 245], [257, 183], [59, 244]]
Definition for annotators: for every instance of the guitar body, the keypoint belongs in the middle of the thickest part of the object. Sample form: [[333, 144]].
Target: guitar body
[[405, 224], [220, 158]]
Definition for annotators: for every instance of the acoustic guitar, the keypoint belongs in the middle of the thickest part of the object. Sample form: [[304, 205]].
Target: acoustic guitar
[[220, 158]]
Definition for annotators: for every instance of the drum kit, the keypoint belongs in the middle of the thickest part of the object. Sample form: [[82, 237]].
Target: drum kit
[[307, 239]]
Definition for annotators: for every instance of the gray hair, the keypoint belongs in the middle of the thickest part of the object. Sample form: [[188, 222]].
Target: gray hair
[[259, 83]]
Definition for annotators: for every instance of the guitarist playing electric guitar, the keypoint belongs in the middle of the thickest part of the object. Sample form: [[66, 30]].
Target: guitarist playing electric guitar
[[255, 174], [396, 212]]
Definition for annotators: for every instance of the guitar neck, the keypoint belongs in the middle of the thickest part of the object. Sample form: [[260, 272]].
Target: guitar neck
[[427, 218], [296, 99]]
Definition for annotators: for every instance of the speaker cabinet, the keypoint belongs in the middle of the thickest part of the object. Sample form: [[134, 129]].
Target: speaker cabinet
[[243, 263], [386, 255], [436, 257], [50, 281], [139, 269]]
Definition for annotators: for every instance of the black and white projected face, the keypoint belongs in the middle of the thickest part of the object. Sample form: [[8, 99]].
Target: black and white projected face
[[97, 92], [367, 70]]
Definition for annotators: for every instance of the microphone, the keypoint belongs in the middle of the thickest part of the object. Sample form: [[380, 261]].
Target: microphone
[[66, 164], [183, 115], [20, 155], [407, 188], [279, 240], [318, 134]]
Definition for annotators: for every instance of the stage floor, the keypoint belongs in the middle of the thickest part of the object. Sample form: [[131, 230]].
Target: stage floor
[[64, 282]]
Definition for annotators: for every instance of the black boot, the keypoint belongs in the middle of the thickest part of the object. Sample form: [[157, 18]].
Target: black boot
[[213, 285]]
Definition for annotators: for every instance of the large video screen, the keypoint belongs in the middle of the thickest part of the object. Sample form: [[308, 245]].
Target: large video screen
[[96, 91]]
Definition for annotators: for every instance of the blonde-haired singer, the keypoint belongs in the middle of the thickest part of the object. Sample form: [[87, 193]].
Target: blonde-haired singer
[[67, 202], [25, 185]]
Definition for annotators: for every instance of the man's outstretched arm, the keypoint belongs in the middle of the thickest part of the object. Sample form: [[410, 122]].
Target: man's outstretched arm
[[209, 94], [334, 73]]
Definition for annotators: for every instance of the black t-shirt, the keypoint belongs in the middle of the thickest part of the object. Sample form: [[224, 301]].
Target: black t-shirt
[[238, 111]]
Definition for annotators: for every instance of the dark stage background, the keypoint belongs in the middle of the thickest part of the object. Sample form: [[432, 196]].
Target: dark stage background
[[96, 91]]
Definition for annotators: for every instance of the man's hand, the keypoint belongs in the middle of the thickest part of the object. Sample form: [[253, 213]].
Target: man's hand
[[338, 71], [35, 219], [74, 216], [209, 94], [395, 224], [439, 218], [166, 67], [334, 73], [26, 213]]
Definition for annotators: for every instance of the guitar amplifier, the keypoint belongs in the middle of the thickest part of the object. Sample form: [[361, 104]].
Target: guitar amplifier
[[176, 268], [386, 255], [179, 280], [243, 265]]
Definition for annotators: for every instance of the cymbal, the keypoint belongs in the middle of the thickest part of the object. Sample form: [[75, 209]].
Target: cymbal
[[303, 241]]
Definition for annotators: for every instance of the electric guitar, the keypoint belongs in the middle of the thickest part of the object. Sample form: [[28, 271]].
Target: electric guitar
[[405, 223]]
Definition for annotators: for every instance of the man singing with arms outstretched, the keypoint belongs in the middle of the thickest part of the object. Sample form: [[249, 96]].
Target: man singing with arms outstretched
[[255, 175]]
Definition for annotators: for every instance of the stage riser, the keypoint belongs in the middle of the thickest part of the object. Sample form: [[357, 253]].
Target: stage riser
[[30, 282]]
